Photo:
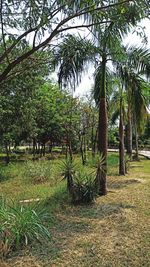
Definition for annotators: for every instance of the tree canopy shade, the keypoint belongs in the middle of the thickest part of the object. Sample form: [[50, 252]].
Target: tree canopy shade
[[43, 21]]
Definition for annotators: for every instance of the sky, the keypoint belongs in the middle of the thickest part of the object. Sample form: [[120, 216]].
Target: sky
[[132, 38]]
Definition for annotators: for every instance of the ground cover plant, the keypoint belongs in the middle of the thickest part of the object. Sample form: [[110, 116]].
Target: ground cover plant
[[19, 225], [37, 172]]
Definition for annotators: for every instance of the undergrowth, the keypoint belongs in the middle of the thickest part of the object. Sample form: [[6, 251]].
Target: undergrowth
[[20, 225]]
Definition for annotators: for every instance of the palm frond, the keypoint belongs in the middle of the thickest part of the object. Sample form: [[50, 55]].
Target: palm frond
[[72, 57], [139, 102], [115, 116], [139, 58], [97, 82]]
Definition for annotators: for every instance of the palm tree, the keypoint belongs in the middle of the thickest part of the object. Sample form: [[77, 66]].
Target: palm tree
[[122, 169], [139, 106], [131, 71], [118, 105], [75, 52]]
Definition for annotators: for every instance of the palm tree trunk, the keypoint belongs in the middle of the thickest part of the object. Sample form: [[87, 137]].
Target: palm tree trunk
[[102, 131], [136, 145], [92, 136], [121, 143], [82, 151], [84, 147], [7, 159], [136, 139], [129, 132]]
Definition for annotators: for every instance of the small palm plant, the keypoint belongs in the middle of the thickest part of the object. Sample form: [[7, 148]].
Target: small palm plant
[[84, 188], [101, 168], [81, 185], [68, 171]]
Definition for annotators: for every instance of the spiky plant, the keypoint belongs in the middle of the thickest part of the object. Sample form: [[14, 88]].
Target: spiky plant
[[84, 188], [99, 164], [68, 171], [19, 225]]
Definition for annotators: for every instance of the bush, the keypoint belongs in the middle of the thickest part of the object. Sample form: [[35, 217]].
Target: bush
[[67, 172], [37, 171], [19, 225], [81, 185], [83, 189]]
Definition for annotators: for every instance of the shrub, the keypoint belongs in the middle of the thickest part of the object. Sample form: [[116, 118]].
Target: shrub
[[19, 225], [83, 189], [68, 172], [81, 185], [37, 171]]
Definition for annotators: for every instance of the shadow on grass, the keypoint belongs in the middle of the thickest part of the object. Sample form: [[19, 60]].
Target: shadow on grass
[[4, 173], [122, 183], [113, 173], [136, 166], [102, 211]]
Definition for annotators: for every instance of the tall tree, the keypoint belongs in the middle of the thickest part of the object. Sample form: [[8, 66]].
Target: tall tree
[[75, 52], [41, 22], [131, 71]]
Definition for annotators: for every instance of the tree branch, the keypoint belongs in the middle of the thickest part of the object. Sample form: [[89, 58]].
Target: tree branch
[[2, 29], [57, 30]]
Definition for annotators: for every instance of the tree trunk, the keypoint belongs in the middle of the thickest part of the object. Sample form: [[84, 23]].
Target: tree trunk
[[7, 159], [129, 132], [34, 148], [136, 140], [102, 145], [50, 147], [136, 145], [121, 143], [102, 132], [44, 150], [93, 140], [70, 150], [95, 148], [82, 150], [84, 147]]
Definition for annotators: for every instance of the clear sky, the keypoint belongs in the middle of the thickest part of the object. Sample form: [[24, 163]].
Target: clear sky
[[87, 80]]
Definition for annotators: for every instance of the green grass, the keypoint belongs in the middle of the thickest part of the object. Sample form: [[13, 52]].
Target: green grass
[[19, 225], [112, 232], [18, 183]]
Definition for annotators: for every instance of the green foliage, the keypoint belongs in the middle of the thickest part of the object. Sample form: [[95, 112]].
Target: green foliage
[[80, 184], [19, 225], [98, 160], [68, 172], [113, 140], [67, 168], [72, 55], [84, 188], [37, 171]]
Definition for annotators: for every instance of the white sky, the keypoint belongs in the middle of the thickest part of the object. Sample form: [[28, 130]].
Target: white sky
[[87, 80]]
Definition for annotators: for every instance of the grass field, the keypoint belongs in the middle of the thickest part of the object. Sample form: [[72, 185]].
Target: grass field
[[112, 232]]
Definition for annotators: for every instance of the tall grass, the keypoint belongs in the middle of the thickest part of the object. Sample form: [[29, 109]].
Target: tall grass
[[19, 225], [37, 171]]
